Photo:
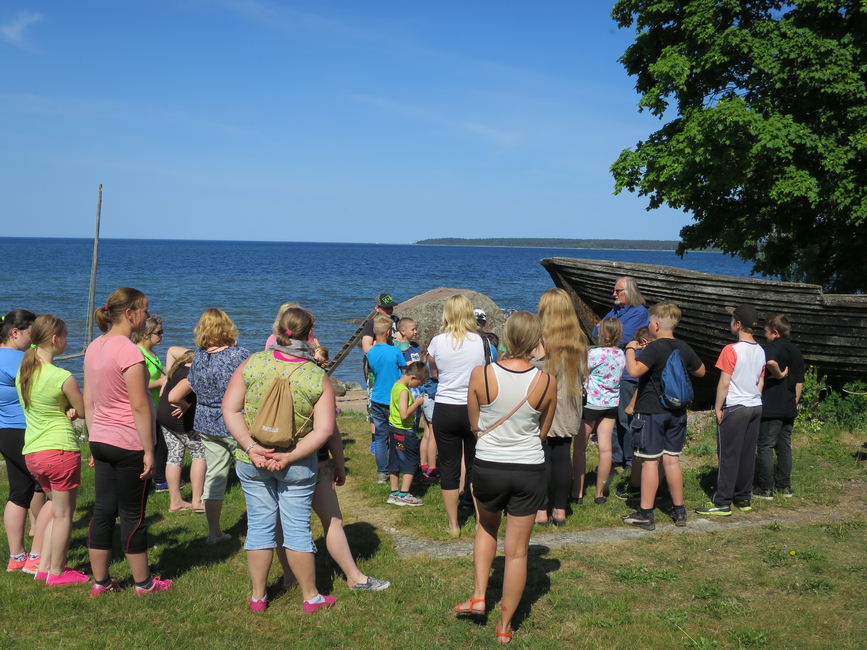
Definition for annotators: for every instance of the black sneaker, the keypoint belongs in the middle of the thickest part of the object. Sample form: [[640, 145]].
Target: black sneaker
[[630, 492], [639, 520], [713, 509], [744, 506], [786, 492], [679, 517], [759, 493]]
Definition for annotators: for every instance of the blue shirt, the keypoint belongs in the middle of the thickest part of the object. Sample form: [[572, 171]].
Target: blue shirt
[[11, 415], [631, 318], [385, 362]]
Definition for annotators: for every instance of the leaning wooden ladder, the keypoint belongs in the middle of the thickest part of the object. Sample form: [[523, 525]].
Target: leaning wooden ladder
[[348, 346]]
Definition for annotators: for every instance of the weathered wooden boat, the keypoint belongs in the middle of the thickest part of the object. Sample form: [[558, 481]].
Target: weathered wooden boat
[[830, 330]]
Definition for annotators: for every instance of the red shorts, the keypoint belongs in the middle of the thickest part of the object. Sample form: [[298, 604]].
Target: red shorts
[[55, 469]]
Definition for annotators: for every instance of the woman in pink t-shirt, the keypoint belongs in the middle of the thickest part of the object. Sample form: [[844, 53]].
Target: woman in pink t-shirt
[[120, 422]]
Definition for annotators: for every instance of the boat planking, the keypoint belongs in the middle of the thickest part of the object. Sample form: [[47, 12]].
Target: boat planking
[[830, 330]]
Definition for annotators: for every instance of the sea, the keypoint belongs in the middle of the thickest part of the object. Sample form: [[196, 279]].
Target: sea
[[337, 282]]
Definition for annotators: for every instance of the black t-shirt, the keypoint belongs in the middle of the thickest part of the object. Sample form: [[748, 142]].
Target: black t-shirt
[[778, 397], [164, 410], [655, 356]]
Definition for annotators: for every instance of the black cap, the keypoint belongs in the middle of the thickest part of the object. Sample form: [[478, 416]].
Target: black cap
[[385, 300], [746, 315]]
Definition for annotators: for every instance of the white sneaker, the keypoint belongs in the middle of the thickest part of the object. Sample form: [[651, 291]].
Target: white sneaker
[[409, 500]]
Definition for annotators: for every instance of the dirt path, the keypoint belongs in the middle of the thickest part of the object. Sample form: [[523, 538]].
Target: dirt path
[[852, 499]]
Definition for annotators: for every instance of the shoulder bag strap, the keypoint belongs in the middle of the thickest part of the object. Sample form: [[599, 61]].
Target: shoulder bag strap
[[530, 390]]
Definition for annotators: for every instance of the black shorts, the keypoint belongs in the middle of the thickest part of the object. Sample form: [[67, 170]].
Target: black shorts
[[655, 434], [518, 489], [593, 413]]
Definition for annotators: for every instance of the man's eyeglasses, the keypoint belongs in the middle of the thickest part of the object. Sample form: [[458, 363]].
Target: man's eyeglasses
[[619, 291]]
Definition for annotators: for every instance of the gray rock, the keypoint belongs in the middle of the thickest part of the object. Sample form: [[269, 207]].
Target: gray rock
[[427, 311], [337, 385], [352, 385]]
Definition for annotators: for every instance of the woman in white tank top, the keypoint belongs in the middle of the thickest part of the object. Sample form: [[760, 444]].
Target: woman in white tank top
[[511, 406]]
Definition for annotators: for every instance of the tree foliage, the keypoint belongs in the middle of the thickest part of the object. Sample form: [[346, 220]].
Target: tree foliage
[[768, 149]]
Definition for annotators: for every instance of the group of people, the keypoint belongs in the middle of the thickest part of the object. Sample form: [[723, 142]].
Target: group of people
[[498, 424], [504, 428], [135, 412]]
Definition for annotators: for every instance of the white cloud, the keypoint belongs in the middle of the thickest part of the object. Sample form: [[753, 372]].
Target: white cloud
[[505, 139], [13, 32]]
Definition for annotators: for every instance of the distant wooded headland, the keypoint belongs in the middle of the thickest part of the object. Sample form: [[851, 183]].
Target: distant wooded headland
[[615, 244]]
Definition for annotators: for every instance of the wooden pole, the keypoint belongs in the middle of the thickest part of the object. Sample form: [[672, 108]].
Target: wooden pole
[[88, 328]]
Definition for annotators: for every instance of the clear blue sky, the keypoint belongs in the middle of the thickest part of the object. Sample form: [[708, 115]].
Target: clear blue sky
[[350, 121]]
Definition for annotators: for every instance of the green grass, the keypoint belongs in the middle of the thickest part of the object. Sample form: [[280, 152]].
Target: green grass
[[775, 586]]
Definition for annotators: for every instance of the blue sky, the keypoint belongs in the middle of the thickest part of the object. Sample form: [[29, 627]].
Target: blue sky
[[354, 121]]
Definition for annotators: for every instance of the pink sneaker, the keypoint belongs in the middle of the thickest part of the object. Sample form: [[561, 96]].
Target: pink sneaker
[[157, 586], [259, 605], [31, 566], [68, 577], [41, 576], [98, 590], [309, 607], [16, 565]]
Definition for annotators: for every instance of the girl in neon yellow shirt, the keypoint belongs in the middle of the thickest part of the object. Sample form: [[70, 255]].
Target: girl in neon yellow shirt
[[50, 397]]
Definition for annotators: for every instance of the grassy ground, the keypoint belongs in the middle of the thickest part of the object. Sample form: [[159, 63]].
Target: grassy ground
[[792, 585]]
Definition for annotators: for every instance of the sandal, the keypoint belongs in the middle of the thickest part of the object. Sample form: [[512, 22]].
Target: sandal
[[504, 637], [459, 610]]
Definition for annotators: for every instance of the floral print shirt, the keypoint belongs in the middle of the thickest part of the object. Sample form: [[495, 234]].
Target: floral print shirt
[[605, 366], [209, 376]]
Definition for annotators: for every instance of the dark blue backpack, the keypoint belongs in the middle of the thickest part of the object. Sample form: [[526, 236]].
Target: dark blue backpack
[[676, 387]]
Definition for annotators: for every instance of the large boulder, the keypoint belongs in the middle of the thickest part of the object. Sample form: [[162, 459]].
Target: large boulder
[[427, 311]]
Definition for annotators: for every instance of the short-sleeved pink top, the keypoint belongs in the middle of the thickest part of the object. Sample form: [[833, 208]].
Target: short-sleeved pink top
[[105, 361]]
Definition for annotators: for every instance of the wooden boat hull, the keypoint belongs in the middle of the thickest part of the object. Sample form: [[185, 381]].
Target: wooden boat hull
[[830, 330]]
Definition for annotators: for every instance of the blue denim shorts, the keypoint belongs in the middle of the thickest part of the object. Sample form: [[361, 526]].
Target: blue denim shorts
[[287, 493]]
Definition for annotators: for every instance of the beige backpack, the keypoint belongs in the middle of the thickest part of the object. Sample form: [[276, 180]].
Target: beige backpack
[[274, 424]]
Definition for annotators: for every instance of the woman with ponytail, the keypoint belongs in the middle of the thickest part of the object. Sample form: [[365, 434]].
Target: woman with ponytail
[[24, 491], [120, 421], [279, 483], [50, 398]]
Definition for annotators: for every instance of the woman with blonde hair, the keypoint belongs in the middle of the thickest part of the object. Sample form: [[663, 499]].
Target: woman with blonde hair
[[452, 355], [605, 365], [120, 423], [511, 407], [564, 355], [213, 364], [50, 446], [279, 482]]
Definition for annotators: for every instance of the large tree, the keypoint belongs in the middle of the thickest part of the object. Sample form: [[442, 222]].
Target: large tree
[[767, 148]]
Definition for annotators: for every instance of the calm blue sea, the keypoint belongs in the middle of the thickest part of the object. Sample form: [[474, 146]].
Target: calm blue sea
[[250, 280]]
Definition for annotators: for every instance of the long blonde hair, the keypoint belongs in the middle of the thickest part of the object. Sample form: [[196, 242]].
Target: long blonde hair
[[565, 342], [458, 319], [44, 328]]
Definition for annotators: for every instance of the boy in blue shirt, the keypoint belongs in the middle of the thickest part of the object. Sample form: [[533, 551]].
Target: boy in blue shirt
[[385, 362]]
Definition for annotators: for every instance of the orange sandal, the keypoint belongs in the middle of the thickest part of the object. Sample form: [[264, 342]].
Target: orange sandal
[[504, 637], [459, 610]]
